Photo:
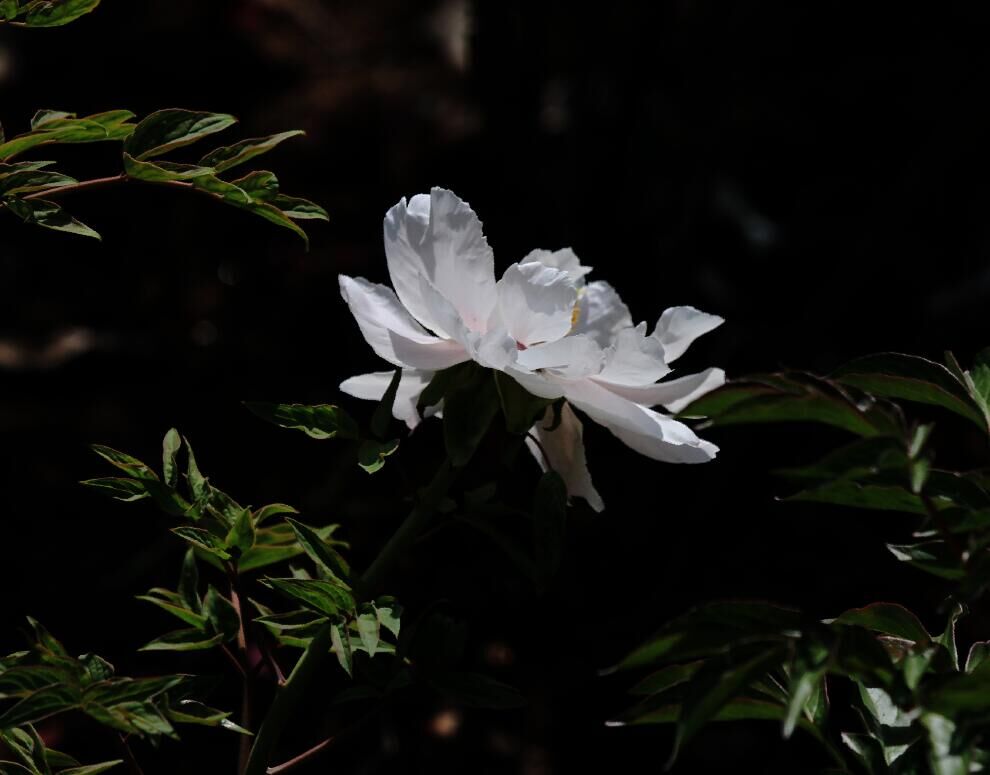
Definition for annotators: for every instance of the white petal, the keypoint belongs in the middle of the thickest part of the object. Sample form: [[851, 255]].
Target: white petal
[[441, 238], [649, 433], [679, 326], [536, 302], [571, 357], [564, 446], [408, 242], [391, 330], [601, 313], [634, 359], [564, 259], [674, 394], [373, 386], [494, 349], [543, 385]]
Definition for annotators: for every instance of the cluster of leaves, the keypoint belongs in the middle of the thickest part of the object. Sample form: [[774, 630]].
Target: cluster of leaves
[[237, 539], [921, 710], [44, 13], [27, 187], [46, 680]]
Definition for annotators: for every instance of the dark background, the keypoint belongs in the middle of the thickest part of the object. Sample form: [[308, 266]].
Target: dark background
[[814, 175]]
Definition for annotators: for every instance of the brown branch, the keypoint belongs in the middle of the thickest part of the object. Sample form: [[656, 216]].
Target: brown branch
[[128, 755], [305, 756]]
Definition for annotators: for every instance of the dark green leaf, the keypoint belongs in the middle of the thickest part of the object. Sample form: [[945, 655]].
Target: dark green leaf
[[911, 378], [321, 595], [166, 130], [170, 448], [341, 640], [320, 552], [469, 406], [241, 535], [886, 618], [388, 612], [204, 539], [179, 611], [130, 689], [231, 155], [40, 705], [162, 171], [322, 421], [92, 769], [26, 181], [49, 215], [184, 640], [934, 557], [372, 454], [299, 209], [120, 489], [55, 13]]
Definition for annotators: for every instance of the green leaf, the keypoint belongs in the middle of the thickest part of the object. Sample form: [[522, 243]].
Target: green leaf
[[521, 408], [805, 686], [549, 522], [8, 10], [91, 129], [126, 490], [184, 640], [934, 557], [170, 448], [793, 397], [204, 539], [130, 689], [260, 184], [188, 589], [26, 181], [43, 117], [389, 612], [22, 680], [341, 640], [140, 718], [474, 690], [125, 462], [49, 215], [911, 378], [299, 209], [322, 421], [372, 454], [221, 614], [40, 705], [95, 668], [886, 618], [179, 611], [272, 510], [166, 130], [244, 199], [242, 534], [92, 769], [320, 552], [713, 686], [665, 678], [842, 492], [978, 654], [231, 155], [330, 599], [709, 628], [162, 171], [197, 482], [55, 13], [369, 629]]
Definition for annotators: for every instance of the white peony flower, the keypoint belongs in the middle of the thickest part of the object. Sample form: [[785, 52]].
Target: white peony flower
[[556, 335]]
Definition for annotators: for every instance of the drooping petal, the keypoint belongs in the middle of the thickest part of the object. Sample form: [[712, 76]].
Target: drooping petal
[[601, 313], [649, 433], [373, 386], [674, 394], [564, 447], [679, 326], [392, 332], [564, 259], [536, 302], [634, 358], [572, 357]]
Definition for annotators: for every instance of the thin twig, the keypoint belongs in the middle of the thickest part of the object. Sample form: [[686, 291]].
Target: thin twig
[[245, 659], [48, 193], [305, 756], [128, 755]]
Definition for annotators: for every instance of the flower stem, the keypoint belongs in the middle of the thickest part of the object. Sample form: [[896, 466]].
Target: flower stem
[[291, 692]]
